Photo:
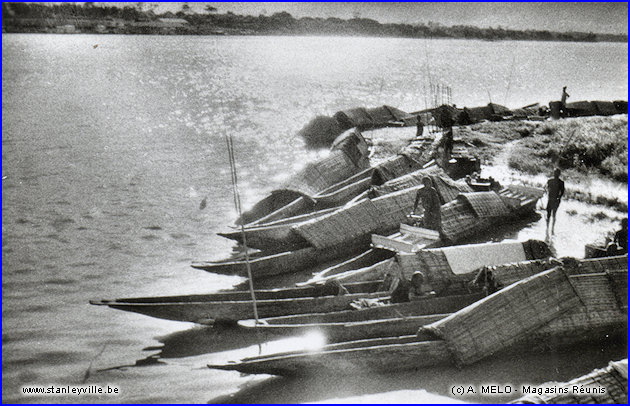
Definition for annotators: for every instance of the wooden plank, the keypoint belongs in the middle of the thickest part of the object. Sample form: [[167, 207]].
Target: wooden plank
[[393, 244], [419, 232]]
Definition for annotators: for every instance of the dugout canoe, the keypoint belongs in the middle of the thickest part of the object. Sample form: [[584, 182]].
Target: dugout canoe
[[463, 259], [385, 320], [381, 212], [267, 265], [237, 305], [397, 318], [231, 306], [548, 310], [409, 159]]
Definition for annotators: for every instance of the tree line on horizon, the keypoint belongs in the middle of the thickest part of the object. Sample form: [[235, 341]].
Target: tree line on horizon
[[22, 17]]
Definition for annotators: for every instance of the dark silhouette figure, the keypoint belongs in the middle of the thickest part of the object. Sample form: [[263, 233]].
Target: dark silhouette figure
[[564, 97], [555, 191], [419, 127], [563, 102], [619, 245]]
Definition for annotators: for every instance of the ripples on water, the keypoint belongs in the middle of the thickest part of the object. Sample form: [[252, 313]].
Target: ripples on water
[[108, 152]]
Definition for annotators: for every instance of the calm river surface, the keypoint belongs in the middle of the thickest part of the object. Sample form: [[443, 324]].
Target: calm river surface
[[109, 144]]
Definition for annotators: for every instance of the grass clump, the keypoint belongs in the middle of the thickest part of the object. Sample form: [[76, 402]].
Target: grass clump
[[586, 145], [488, 138]]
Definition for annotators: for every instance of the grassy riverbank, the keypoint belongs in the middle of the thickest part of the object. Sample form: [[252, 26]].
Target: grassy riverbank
[[588, 146], [591, 151]]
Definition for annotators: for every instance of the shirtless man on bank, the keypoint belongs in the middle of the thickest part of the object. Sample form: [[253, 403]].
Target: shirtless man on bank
[[555, 191]]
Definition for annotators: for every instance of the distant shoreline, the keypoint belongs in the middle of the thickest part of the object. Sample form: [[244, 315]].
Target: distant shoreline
[[312, 35], [70, 18]]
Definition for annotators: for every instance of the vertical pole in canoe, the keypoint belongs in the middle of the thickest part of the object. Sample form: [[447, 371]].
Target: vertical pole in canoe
[[237, 205]]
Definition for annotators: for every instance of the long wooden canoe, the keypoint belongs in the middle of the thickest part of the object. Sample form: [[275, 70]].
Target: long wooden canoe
[[381, 321], [464, 217], [275, 235], [428, 259], [547, 310], [233, 306], [302, 259], [396, 319], [306, 192], [406, 353], [237, 305]]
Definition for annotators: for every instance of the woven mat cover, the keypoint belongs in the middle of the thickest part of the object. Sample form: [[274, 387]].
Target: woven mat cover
[[358, 116], [505, 317], [380, 115], [486, 204]]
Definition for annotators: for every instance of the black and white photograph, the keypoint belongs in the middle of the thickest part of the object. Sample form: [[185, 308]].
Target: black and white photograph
[[314, 202]]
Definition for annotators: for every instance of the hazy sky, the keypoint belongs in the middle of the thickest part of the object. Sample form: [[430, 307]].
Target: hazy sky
[[611, 17]]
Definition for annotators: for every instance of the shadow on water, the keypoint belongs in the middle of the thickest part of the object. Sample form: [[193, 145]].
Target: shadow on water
[[207, 340], [514, 370], [151, 360]]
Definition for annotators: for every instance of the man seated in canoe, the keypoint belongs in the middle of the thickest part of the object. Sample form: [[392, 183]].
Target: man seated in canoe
[[403, 290], [485, 280]]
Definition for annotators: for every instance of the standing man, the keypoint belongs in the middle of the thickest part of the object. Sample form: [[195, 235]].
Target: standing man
[[563, 101], [419, 127], [564, 97], [447, 140], [555, 191]]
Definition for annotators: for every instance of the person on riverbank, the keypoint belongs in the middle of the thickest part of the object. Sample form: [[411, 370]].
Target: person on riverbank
[[563, 102], [447, 144], [619, 245], [419, 127], [431, 204], [564, 97], [555, 191]]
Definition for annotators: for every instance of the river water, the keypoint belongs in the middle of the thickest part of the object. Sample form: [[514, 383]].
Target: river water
[[110, 143]]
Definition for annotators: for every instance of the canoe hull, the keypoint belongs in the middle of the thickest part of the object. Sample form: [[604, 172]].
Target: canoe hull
[[382, 321], [406, 356], [208, 312], [285, 262]]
